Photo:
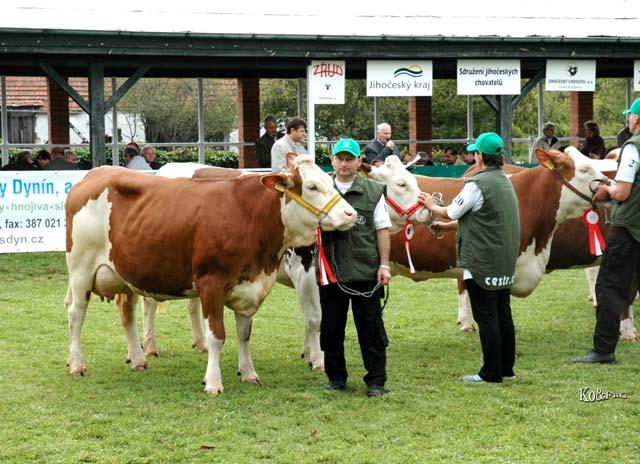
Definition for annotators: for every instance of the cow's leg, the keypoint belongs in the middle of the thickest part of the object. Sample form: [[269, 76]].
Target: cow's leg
[[76, 301], [627, 326], [149, 307], [465, 319], [309, 299], [197, 325], [212, 299], [592, 274], [246, 370], [127, 307]]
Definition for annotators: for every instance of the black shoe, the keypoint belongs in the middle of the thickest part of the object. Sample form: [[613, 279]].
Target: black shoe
[[375, 390], [596, 358], [336, 385]]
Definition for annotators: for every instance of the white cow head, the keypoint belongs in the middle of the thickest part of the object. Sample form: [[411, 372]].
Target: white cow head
[[402, 188], [579, 171], [316, 188]]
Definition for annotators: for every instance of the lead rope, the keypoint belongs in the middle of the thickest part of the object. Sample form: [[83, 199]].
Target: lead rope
[[437, 199]]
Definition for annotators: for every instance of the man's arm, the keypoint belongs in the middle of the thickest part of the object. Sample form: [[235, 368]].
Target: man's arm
[[384, 247]]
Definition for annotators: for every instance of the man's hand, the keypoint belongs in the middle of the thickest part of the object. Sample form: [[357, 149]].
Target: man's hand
[[425, 199], [384, 275], [602, 194], [390, 144]]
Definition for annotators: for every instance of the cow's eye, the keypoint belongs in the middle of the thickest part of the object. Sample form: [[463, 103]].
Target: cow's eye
[[312, 187], [584, 169], [401, 184]]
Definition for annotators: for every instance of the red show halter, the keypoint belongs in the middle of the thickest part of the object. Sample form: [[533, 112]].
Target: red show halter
[[408, 231], [591, 219]]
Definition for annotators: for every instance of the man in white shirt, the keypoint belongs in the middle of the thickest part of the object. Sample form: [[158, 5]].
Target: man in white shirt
[[292, 142]]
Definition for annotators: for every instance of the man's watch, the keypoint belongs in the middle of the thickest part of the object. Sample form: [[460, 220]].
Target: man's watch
[[384, 266]]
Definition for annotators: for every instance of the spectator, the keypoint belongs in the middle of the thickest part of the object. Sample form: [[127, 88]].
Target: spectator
[[593, 146], [548, 139], [43, 158], [133, 160], [377, 151], [149, 155], [58, 162], [623, 135], [71, 157], [290, 143], [360, 259], [426, 159], [265, 143], [450, 157], [467, 157], [134, 145], [23, 162]]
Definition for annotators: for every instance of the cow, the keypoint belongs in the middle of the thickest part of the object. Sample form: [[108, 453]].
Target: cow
[[296, 269], [219, 240], [545, 202]]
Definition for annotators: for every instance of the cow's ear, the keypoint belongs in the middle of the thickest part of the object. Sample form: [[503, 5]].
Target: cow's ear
[[365, 168], [544, 158], [272, 180], [289, 157]]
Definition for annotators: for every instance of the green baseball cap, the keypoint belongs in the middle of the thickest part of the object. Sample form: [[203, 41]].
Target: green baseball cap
[[347, 145], [488, 143], [634, 108]]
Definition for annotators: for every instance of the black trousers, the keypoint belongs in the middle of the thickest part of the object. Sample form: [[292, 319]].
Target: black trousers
[[367, 315], [620, 261], [492, 312]]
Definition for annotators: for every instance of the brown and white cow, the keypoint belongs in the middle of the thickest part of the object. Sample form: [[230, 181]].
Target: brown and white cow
[[296, 269], [544, 204], [221, 241]]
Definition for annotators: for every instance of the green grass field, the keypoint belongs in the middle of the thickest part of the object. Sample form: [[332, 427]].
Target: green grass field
[[162, 415]]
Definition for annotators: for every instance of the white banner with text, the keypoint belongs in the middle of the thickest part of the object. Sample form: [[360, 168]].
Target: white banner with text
[[32, 209], [488, 77], [572, 76], [399, 78], [327, 82]]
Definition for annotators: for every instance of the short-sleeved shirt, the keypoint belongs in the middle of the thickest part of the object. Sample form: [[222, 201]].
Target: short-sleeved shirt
[[470, 198], [381, 217], [629, 162]]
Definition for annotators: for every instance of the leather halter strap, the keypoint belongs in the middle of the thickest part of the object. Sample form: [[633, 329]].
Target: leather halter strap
[[567, 184], [304, 203]]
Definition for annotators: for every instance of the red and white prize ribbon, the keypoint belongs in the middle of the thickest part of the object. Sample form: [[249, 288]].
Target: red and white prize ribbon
[[591, 218], [408, 232], [326, 274]]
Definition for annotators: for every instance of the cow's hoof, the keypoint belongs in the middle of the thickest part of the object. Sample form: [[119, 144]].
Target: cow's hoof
[[151, 353], [317, 367], [464, 328], [250, 378], [631, 338], [214, 389], [201, 347], [78, 371]]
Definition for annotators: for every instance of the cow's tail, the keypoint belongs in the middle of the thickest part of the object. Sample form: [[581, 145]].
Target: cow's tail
[[69, 298]]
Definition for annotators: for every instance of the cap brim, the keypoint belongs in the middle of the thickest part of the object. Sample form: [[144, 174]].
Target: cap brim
[[627, 111], [472, 147]]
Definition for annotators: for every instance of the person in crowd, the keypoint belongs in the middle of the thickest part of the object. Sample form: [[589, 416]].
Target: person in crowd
[[621, 257], [23, 162], [149, 155], [43, 158], [58, 162], [134, 145], [359, 258], [133, 160], [377, 151], [548, 139], [266, 141], [426, 158], [624, 134], [467, 157], [486, 217], [71, 157], [593, 146], [450, 157], [292, 142]]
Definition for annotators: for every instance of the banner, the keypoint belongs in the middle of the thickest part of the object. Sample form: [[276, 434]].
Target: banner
[[399, 78], [636, 76], [32, 209], [485, 77], [571, 75], [327, 82]]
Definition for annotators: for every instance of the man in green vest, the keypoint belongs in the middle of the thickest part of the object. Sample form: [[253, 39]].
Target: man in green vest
[[621, 257], [359, 258], [487, 219]]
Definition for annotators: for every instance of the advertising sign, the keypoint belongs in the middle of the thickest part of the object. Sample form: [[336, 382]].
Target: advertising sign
[[488, 77], [571, 75], [399, 78], [327, 82]]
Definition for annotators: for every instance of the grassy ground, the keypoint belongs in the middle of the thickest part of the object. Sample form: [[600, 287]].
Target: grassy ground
[[114, 415]]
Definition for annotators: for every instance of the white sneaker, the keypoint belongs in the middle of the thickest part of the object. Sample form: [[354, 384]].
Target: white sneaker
[[475, 378], [510, 378]]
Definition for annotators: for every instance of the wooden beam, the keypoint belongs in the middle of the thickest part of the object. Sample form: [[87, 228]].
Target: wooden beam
[[528, 87], [492, 102], [124, 88], [64, 85], [96, 115]]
